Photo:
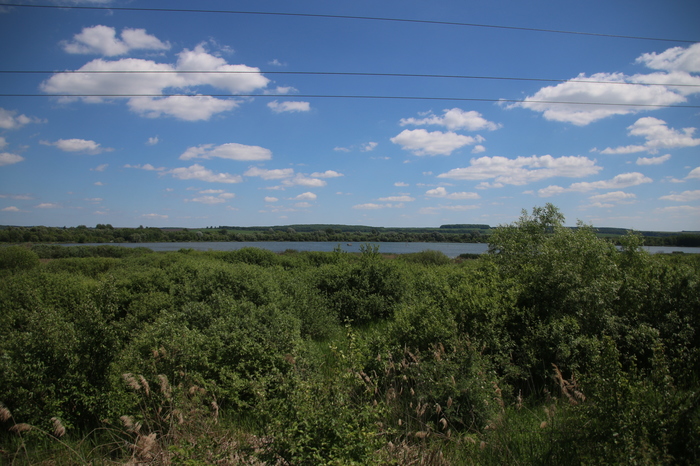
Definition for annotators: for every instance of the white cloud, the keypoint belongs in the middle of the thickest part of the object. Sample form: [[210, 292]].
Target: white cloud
[[78, 145], [373, 206], [617, 197], [208, 200], [103, 40], [618, 89], [230, 151], [265, 174], [442, 193], [147, 167], [3, 142], [276, 62], [10, 120], [694, 173], [198, 172], [674, 59], [685, 196], [421, 142], [327, 174], [369, 147], [183, 107], [152, 141], [624, 180], [657, 135], [523, 170], [270, 199], [401, 184], [48, 205], [100, 168], [154, 216], [8, 159], [303, 180], [10, 209], [341, 149], [397, 199], [454, 119], [653, 160], [478, 149], [307, 196], [289, 106], [233, 78]]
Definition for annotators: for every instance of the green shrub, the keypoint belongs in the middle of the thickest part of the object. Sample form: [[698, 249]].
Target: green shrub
[[17, 258]]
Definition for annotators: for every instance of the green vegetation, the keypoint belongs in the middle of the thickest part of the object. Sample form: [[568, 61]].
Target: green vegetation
[[556, 347], [457, 233]]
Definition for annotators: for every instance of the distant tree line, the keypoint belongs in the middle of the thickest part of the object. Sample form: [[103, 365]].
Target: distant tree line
[[459, 233], [108, 234]]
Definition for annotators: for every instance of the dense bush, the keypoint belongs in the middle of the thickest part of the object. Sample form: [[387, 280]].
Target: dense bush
[[556, 347], [15, 258]]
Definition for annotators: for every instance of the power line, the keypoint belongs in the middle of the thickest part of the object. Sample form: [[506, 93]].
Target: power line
[[345, 96], [351, 17], [343, 73]]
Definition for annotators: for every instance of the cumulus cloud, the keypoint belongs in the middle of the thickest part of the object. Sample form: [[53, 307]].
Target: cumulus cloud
[[685, 196], [7, 158], [154, 216], [454, 119], [674, 59], [624, 180], [275, 174], [442, 193], [582, 101], [146, 166], [657, 135], [694, 173], [198, 172], [421, 142], [289, 106], [653, 160], [403, 198], [230, 151], [523, 170], [270, 199], [10, 209], [327, 174], [85, 146], [220, 198], [102, 40], [610, 199], [307, 196], [135, 87], [303, 180], [10, 120], [585, 99], [373, 206], [369, 147], [183, 107]]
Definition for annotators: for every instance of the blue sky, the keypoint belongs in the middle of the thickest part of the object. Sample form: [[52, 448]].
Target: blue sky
[[252, 143]]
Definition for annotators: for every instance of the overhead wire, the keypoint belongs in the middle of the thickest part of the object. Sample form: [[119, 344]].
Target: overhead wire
[[346, 96], [346, 73], [350, 17], [331, 73]]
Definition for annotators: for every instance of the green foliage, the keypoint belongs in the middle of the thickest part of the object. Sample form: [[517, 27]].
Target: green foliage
[[556, 347], [16, 258]]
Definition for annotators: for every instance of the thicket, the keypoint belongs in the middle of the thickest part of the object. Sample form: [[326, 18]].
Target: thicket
[[555, 347]]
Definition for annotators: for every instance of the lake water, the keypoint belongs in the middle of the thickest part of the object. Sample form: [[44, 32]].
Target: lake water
[[449, 249]]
